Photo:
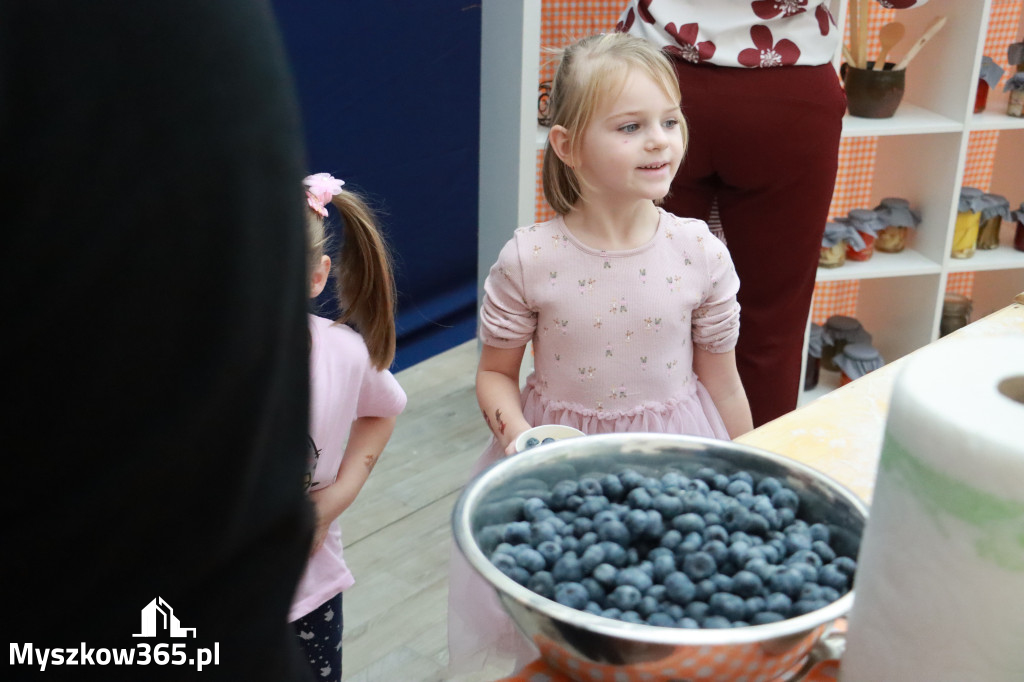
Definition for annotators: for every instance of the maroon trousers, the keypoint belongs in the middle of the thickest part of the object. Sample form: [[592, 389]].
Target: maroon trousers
[[764, 143]]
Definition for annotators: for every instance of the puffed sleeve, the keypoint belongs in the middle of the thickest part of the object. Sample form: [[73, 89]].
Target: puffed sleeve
[[506, 319], [380, 395], [716, 321]]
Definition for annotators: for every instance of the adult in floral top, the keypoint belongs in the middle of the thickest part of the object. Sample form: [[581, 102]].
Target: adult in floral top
[[764, 106]]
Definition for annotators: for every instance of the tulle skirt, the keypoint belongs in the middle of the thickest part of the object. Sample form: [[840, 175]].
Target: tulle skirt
[[480, 633]]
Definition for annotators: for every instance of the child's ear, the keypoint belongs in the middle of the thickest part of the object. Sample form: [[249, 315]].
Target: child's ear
[[558, 138], [318, 279]]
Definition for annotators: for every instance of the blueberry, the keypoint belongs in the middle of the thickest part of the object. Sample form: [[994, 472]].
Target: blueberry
[[547, 440], [723, 582], [614, 553], [532, 506], [625, 597], [822, 549], [655, 525], [766, 617], [753, 606], [639, 498], [532, 442], [612, 487], [517, 532], [830, 594], [567, 568], [573, 502], [657, 592], [542, 583], [631, 617], [571, 594], [605, 574], [713, 519], [736, 516], [716, 623], [605, 516], [809, 572], [797, 541], [759, 567], [679, 588], [694, 501], [739, 486], [716, 532], [778, 603], [719, 482], [673, 479], [706, 474], [706, 588], [819, 531], [593, 607], [739, 552], [805, 556], [561, 491], [698, 610], [504, 562], [630, 478], [757, 523], [529, 558], [570, 543], [688, 624], [717, 550], [689, 523], [635, 577], [806, 606], [647, 606], [612, 613], [540, 531], [671, 539], [614, 531], [699, 565], [831, 575], [591, 557], [845, 564], [659, 619], [786, 499], [590, 486], [636, 521], [520, 575], [786, 516], [663, 566], [592, 505], [747, 583], [768, 485], [810, 592], [582, 525], [787, 581], [727, 605], [672, 609], [594, 589], [586, 541]]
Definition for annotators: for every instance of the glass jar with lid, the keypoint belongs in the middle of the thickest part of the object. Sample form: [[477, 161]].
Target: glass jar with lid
[[956, 313], [838, 331], [838, 236], [867, 225], [897, 218], [995, 209], [856, 360], [968, 219]]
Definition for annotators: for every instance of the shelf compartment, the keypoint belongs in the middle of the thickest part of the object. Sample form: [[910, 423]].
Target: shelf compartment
[[905, 263], [1002, 258], [910, 119]]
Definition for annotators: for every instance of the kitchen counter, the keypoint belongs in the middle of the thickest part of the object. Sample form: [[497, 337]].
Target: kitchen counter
[[840, 433]]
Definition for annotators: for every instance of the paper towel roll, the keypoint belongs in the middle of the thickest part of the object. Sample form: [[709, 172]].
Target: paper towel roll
[[939, 592]]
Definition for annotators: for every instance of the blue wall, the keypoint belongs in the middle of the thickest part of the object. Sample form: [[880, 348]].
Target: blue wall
[[390, 93]]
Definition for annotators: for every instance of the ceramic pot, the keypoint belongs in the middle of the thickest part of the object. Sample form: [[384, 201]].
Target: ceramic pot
[[873, 94]]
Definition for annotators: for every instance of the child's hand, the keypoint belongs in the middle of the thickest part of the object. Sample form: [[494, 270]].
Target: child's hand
[[510, 449]]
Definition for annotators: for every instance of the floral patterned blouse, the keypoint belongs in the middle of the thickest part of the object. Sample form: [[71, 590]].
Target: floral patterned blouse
[[613, 332], [742, 33]]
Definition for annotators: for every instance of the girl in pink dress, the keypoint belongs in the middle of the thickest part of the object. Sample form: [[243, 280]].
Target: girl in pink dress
[[353, 403], [631, 310]]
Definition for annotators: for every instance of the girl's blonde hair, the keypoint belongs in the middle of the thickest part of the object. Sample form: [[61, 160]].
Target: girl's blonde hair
[[365, 283], [589, 70]]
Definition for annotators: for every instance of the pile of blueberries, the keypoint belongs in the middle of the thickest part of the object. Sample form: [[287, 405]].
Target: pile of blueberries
[[703, 551]]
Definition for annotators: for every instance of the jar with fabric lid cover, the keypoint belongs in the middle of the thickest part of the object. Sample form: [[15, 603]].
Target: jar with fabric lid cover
[[956, 313], [898, 218], [867, 224], [838, 331], [995, 208], [856, 360], [838, 235], [968, 220]]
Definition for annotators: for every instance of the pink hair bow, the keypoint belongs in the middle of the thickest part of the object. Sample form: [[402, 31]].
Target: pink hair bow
[[320, 188]]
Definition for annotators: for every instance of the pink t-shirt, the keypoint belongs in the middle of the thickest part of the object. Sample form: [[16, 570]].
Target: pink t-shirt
[[343, 387]]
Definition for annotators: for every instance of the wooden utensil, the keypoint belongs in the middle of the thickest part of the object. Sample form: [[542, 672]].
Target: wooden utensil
[[863, 16], [855, 33], [933, 28], [888, 36]]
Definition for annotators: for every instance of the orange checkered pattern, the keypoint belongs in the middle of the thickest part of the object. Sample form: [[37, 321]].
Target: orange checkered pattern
[[563, 21]]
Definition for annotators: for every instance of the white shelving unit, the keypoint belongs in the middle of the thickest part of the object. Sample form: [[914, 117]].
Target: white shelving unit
[[921, 156]]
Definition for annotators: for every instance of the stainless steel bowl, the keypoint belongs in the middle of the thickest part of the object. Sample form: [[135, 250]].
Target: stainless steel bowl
[[587, 647]]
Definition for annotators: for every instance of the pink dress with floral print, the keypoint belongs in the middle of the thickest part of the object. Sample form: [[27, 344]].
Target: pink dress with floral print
[[613, 336]]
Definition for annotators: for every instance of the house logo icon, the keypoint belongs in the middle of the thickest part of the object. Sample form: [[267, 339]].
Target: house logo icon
[[158, 618]]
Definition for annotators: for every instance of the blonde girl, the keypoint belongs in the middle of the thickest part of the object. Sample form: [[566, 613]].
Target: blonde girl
[[354, 401], [631, 310]]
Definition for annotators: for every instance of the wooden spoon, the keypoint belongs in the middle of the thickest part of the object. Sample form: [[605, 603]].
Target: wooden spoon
[[932, 29], [888, 36]]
